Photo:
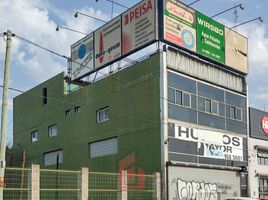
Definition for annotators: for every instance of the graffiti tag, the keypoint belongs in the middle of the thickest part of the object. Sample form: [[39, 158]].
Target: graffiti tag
[[193, 190]]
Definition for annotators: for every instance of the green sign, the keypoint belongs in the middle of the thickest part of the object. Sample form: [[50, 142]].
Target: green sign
[[210, 38]]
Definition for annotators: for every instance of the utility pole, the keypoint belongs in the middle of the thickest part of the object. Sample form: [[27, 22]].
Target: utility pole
[[4, 113]]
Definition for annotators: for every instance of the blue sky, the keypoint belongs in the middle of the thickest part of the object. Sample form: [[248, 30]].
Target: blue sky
[[36, 20]]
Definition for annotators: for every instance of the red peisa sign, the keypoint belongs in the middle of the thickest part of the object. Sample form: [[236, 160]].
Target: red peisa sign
[[265, 124]]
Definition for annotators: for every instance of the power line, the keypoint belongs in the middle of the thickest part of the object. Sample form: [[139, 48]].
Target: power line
[[13, 89], [44, 48]]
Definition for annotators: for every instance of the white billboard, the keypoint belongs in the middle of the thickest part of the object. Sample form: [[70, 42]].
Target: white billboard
[[138, 26], [108, 42], [82, 54], [213, 144], [236, 51]]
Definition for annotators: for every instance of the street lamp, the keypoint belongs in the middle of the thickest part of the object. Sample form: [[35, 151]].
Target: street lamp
[[258, 18], [241, 6]]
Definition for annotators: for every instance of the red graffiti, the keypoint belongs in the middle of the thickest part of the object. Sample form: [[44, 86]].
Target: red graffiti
[[135, 174]]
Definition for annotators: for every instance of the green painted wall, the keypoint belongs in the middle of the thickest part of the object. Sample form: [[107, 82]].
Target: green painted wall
[[133, 97]]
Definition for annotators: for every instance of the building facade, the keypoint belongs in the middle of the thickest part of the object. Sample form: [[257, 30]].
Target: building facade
[[258, 154], [171, 113]]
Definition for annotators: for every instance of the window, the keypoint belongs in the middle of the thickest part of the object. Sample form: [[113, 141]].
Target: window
[[208, 105], [214, 107], [53, 157], [263, 187], [53, 130], [103, 115], [171, 95], [186, 99], [77, 109], [35, 136], [178, 97], [103, 148], [262, 157], [44, 96], [67, 112], [232, 112]]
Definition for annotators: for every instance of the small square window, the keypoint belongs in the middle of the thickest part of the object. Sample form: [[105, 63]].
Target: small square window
[[67, 113], [53, 130], [103, 115], [77, 109], [35, 136]]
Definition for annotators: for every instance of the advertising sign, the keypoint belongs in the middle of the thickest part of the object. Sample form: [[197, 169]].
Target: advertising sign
[[108, 42], [236, 51], [179, 24], [265, 124], [82, 54], [212, 144], [138, 26], [210, 38], [199, 183]]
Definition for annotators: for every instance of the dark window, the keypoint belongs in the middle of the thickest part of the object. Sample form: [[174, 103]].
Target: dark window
[[67, 112], [44, 96], [171, 95], [178, 97], [35, 136], [77, 109]]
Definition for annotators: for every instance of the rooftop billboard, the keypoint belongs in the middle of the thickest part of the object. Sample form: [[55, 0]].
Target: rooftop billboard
[[180, 26], [138, 26], [108, 42], [82, 54], [191, 30]]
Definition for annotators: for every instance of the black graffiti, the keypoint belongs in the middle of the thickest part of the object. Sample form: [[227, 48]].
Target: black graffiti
[[193, 190]]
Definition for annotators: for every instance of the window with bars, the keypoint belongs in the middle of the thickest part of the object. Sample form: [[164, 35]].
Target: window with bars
[[262, 157], [263, 187]]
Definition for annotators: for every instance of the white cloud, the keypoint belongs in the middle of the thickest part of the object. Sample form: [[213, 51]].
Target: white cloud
[[31, 19]]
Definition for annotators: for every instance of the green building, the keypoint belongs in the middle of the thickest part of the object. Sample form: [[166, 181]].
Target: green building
[[111, 124]]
